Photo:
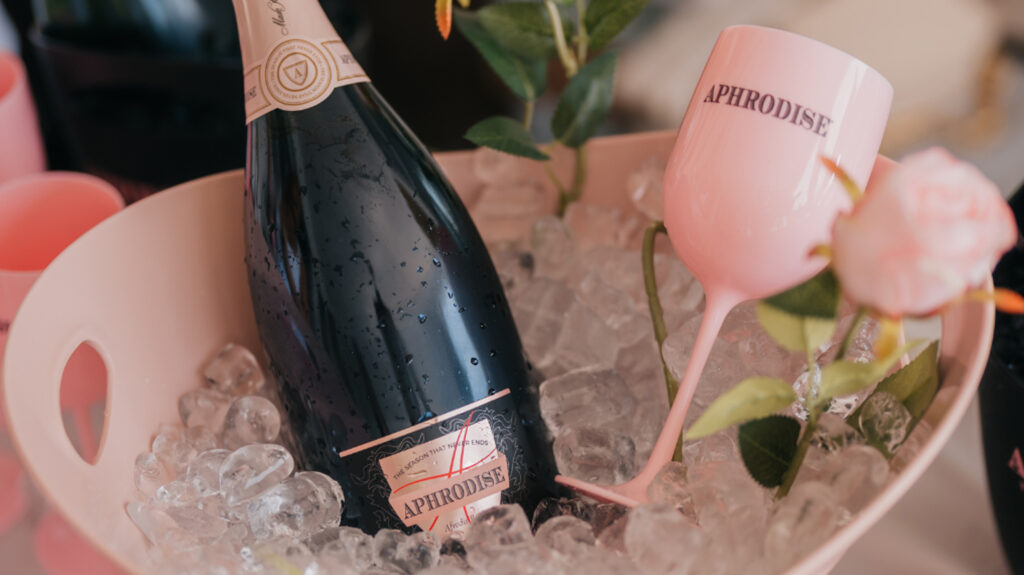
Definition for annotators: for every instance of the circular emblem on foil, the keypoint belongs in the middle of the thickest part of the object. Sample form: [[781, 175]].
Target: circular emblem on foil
[[297, 73]]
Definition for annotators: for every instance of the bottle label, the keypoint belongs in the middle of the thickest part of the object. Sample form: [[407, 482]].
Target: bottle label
[[439, 474], [299, 72]]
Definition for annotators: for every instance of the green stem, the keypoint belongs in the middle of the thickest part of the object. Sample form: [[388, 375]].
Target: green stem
[[565, 198], [582, 39], [848, 338], [528, 114], [658, 316], [654, 302], [558, 184], [564, 54], [801, 452]]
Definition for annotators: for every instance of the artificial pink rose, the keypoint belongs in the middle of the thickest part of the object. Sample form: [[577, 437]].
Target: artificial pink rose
[[925, 231]]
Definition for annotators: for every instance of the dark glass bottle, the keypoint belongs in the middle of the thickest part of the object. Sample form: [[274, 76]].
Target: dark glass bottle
[[399, 364], [1001, 396]]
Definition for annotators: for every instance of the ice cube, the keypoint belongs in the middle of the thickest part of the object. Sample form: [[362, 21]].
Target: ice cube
[[278, 556], [150, 473], [252, 470], [296, 508], [550, 508], [884, 420], [161, 530], [834, 434], [722, 371], [595, 454], [401, 553], [644, 187], [330, 495], [605, 515], [761, 354], [539, 314], [235, 370], [648, 419], [804, 519], [669, 487], [204, 471], [553, 248], [660, 540], [588, 396], [613, 536], [595, 225], [614, 307], [173, 449], [250, 419], [197, 522], [583, 341], [329, 565], [346, 545], [855, 475], [602, 561], [566, 536], [515, 267], [177, 492], [204, 407], [498, 527], [679, 291], [723, 490], [716, 447], [732, 510], [499, 542]]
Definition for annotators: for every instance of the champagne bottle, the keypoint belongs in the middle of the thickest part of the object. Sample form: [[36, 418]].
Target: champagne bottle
[[1001, 398], [399, 365]]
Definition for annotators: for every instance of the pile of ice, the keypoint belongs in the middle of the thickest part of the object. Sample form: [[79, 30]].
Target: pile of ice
[[219, 492]]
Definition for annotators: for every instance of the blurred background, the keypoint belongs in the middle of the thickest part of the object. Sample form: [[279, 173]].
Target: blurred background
[[147, 94]]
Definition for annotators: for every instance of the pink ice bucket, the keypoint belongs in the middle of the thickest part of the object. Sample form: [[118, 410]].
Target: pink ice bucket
[[155, 288]]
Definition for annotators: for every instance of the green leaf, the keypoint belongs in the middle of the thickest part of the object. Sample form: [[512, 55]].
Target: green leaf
[[606, 18], [505, 135], [524, 28], [526, 79], [817, 297], [846, 377], [795, 333], [752, 398], [916, 383], [767, 446], [585, 102]]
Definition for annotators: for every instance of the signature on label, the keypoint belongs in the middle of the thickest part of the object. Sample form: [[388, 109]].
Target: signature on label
[[278, 9], [1017, 465]]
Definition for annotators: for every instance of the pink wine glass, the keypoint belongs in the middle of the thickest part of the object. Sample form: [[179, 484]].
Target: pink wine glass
[[746, 194]]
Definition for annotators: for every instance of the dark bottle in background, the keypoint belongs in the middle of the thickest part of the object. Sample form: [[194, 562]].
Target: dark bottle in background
[[1001, 396], [399, 364]]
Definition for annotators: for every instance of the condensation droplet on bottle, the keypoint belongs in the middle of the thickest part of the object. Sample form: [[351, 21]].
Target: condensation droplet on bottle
[[422, 317], [474, 361]]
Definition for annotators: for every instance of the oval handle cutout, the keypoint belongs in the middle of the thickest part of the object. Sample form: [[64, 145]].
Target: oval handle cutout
[[83, 401]]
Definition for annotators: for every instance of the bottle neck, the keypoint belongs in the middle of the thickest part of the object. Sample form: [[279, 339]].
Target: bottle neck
[[291, 55]]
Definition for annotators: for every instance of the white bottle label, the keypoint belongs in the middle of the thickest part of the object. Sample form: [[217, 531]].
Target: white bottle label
[[298, 73]]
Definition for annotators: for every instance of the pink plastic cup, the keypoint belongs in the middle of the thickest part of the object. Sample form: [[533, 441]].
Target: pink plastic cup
[[40, 215], [21, 145]]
